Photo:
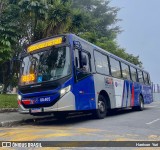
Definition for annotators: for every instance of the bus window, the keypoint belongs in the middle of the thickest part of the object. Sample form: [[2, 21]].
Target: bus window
[[101, 62], [140, 76], [146, 81], [125, 71], [85, 62], [115, 68], [82, 64], [133, 74], [77, 64]]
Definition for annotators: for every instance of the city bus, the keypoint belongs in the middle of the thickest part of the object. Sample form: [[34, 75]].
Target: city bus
[[65, 74]]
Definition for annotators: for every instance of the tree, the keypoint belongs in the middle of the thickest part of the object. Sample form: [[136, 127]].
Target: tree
[[59, 18], [98, 17], [26, 21], [9, 38], [99, 27], [32, 12]]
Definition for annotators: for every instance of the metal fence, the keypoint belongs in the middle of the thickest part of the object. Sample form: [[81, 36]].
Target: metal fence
[[155, 88]]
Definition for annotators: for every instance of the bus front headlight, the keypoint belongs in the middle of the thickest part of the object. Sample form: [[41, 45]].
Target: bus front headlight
[[19, 97], [65, 90]]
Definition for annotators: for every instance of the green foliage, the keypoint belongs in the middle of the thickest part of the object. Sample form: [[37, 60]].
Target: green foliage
[[10, 32], [59, 18], [99, 27], [98, 17], [8, 101]]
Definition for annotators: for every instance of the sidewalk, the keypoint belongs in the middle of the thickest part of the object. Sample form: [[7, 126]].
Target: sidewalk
[[8, 119]]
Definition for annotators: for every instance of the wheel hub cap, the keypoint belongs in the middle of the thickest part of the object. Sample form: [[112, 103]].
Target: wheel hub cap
[[101, 106]]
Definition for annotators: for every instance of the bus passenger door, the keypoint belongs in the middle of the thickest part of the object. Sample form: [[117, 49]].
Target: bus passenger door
[[84, 83]]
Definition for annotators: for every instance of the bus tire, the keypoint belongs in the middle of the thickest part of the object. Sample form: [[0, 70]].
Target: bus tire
[[141, 103], [61, 116], [101, 112]]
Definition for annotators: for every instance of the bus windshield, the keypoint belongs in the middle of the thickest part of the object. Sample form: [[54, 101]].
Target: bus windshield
[[45, 66]]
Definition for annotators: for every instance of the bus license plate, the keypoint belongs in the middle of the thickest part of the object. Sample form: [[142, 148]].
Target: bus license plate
[[36, 110]]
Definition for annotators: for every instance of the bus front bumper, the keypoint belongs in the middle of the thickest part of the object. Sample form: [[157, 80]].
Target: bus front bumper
[[65, 103]]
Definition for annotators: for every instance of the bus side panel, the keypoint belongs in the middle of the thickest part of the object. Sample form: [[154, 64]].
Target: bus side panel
[[119, 89], [84, 90], [122, 93], [104, 83], [130, 92], [137, 92], [147, 94], [85, 94], [127, 93]]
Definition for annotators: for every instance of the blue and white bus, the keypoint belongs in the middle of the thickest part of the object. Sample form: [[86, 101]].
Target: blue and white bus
[[65, 73]]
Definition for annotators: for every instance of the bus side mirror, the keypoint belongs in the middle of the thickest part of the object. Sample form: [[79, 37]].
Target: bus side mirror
[[84, 60], [77, 45]]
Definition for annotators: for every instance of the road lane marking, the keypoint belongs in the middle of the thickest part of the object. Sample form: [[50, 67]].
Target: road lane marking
[[152, 106], [153, 121], [35, 133], [153, 136]]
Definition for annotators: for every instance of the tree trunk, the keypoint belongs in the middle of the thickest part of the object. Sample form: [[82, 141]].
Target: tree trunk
[[6, 75]]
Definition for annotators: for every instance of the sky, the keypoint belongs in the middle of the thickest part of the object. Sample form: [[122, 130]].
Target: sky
[[141, 32]]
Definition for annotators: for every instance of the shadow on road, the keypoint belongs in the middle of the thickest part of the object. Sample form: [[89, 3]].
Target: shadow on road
[[80, 118], [115, 113]]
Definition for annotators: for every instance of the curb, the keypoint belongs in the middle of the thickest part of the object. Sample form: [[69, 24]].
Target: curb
[[11, 123], [3, 110]]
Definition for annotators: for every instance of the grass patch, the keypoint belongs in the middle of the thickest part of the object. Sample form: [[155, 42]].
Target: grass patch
[[8, 101]]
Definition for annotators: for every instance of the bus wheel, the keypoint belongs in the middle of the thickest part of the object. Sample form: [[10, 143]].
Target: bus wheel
[[141, 104], [61, 116], [101, 112]]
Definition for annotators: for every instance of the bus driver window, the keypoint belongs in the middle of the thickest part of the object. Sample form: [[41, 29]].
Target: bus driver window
[[82, 64]]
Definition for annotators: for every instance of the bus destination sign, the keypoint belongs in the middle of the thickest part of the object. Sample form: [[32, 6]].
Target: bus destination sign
[[44, 44]]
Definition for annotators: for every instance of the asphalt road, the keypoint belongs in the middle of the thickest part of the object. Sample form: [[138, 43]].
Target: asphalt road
[[124, 125]]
